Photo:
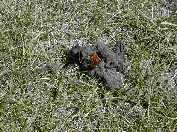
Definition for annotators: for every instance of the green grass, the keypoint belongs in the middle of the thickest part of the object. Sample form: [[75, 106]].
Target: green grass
[[35, 33]]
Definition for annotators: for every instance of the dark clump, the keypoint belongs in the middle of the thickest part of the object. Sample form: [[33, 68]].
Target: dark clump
[[100, 61]]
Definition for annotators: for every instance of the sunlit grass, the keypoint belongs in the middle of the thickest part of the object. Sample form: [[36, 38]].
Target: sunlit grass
[[38, 93]]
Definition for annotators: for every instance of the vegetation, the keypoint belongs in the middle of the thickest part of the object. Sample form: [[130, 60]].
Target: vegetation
[[37, 93]]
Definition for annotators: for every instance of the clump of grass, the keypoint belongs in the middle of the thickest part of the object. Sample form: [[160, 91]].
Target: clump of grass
[[37, 93]]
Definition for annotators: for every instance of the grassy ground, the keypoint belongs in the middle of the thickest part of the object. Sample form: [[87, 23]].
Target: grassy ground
[[35, 35]]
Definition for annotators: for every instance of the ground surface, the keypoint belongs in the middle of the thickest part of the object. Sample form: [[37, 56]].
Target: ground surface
[[37, 93]]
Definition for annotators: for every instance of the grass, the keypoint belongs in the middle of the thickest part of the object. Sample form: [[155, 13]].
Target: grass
[[35, 34]]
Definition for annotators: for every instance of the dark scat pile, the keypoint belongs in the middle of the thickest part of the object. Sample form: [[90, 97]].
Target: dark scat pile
[[100, 61]]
